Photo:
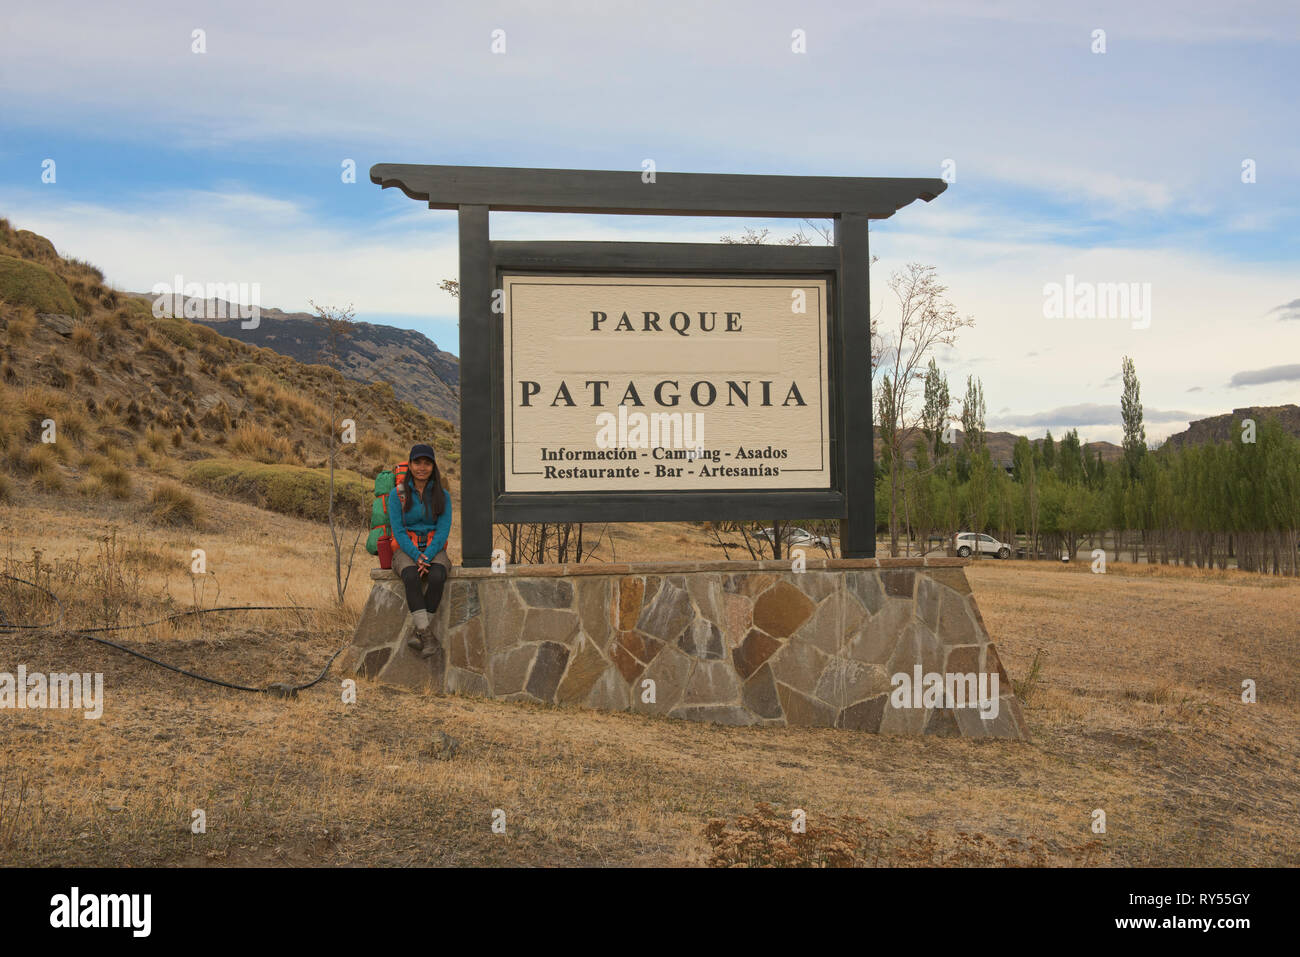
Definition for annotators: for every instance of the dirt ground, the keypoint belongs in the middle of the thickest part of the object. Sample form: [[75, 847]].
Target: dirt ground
[[1132, 680]]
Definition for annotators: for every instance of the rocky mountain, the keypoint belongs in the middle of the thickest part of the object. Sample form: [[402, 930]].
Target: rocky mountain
[[420, 372], [1219, 428]]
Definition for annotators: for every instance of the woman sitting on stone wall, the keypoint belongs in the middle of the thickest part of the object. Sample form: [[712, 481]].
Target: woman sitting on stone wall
[[419, 509]]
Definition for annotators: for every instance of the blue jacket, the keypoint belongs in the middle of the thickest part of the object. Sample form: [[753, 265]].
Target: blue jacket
[[414, 519]]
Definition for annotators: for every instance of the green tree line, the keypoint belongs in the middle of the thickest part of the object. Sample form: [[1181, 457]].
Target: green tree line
[[1198, 505]]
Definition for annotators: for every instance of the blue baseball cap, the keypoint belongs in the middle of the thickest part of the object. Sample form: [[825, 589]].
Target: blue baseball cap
[[422, 451]]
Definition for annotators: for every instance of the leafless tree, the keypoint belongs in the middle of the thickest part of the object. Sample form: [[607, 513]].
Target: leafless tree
[[926, 319], [338, 327]]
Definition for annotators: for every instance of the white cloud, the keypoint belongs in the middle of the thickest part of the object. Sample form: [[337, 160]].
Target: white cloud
[[244, 237]]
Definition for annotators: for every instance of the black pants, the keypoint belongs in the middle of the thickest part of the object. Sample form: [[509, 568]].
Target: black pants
[[432, 589]]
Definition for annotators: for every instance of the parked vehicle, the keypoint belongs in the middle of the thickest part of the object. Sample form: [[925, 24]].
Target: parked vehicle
[[966, 543], [796, 538]]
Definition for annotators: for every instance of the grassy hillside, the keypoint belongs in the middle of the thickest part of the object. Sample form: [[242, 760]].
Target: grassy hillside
[[430, 376], [129, 399]]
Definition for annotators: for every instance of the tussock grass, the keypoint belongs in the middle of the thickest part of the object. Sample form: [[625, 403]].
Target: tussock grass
[[41, 464], [169, 504], [22, 412], [156, 344], [51, 368], [373, 447], [217, 418], [84, 339], [109, 324], [114, 451], [115, 479], [21, 325], [261, 444]]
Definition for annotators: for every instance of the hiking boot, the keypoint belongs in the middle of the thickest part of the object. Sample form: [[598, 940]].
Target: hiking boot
[[419, 637], [431, 645]]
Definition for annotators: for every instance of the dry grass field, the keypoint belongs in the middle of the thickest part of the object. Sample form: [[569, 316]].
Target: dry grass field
[[1134, 704]]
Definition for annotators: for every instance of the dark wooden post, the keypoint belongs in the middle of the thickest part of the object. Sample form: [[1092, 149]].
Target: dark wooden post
[[858, 527], [476, 398]]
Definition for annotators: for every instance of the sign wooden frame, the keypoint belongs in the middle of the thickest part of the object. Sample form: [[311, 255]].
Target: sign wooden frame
[[849, 201]]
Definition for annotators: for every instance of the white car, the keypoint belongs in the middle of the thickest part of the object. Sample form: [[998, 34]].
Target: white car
[[966, 543], [796, 538]]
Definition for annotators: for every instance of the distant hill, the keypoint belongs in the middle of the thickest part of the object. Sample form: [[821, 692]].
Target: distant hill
[[1218, 428], [1001, 446], [420, 372]]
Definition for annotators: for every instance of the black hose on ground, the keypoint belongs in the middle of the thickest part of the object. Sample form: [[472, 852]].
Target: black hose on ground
[[279, 689]]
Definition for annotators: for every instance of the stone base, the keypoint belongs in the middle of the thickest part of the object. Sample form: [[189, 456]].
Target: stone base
[[739, 643]]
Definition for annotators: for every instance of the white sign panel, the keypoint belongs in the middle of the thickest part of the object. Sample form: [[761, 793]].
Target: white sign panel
[[645, 384]]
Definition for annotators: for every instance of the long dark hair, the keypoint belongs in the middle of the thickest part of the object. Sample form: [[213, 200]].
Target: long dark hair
[[433, 504]]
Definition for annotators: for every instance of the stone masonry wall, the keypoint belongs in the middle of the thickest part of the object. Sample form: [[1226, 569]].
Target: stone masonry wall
[[740, 643]]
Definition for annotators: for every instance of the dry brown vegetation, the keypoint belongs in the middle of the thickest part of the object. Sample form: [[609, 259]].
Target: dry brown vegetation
[[1136, 711]]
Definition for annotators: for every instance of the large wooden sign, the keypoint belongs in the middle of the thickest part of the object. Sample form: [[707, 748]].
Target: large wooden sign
[[642, 384], [565, 345]]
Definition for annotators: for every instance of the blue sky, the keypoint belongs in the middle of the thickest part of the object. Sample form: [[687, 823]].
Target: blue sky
[[1123, 166]]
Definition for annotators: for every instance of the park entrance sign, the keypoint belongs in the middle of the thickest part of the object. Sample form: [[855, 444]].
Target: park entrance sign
[[611, 381], [650, 384], [640, 382]]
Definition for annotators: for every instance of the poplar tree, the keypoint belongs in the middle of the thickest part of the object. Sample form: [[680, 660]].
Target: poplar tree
[[934, 416], [976, 451], [1070, 458], [1097, 478], [886, 423], [1022, 459], [972, 416], [1135, 433]]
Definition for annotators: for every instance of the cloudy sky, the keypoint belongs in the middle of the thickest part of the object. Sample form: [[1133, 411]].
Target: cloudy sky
[[1071, 166]]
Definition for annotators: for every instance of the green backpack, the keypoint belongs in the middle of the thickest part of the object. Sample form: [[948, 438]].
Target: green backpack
[[380, 527]]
